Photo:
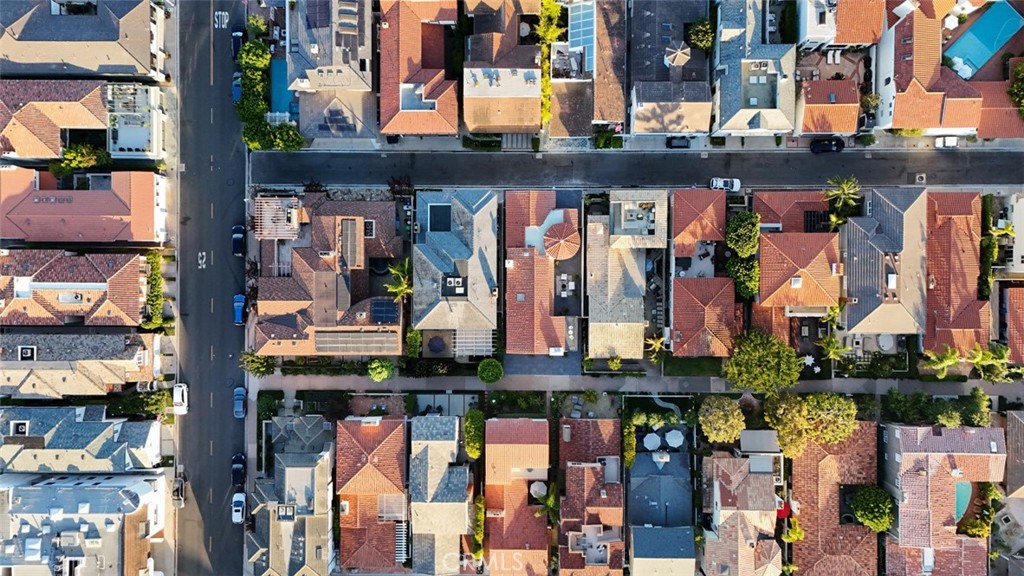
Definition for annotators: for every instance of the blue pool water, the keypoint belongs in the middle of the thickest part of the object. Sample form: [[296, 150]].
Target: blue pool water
[[987, 35], [280, 96], [963, 498]]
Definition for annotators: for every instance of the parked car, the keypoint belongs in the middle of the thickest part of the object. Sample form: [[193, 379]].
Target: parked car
[[179, 397], [827, 145], [238, 508], [237, 36], [677, 142], [238, 240], [730, 184], [239, 402], [236, 87], [238, 470], [178, 492], [239, 303], [947, 142]]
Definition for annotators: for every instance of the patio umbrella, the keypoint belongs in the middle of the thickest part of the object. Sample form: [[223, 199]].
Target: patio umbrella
[[951, 22], [538, 490], [677, 55], [674, 438], [561, 241], [436, 345], [957, 62], [652, 441], [809, 360], [965, 72]]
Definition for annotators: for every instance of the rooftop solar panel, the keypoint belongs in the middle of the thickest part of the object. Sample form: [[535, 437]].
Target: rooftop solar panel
[[355, 343], [581, 32], [384, 312]]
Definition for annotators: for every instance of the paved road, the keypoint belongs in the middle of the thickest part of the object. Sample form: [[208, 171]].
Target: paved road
[[755, 168], [210, 203]]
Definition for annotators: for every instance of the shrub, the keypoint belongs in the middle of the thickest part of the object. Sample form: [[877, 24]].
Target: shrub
[[79, 157], [257, 26], [865, 139], [257, 365], [490, 371], [976, 408], [473, 430], [746, 272], [721, 419], [479, 515], [154, 292], [258, 135], [743, 233], [975, 528], [949, 419], [873, 508], [254, 55], [869, 102], [287, 138], [831, 418], [701, 36], [908, 132], [590, 395], [629, 442], [149, 405], [763, 363], [615, 363], [413, 341], [795, 532], [990, 492], [989, 253], [380, 369]]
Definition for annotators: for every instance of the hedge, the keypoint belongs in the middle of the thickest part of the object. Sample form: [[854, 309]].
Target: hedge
[[155, 292], [989, 252], [473, 430]]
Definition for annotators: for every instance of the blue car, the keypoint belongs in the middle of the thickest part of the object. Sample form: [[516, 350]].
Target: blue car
[[236, 87], [239, 309]]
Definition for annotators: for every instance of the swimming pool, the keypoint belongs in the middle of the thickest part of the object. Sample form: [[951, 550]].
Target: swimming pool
[[963, 498], [280, 96], [987, 35]]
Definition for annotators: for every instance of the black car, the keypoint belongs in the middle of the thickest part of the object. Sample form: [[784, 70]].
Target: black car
[[238, 469], [827, 145], [238, 240], [677, 142], [237, 36]]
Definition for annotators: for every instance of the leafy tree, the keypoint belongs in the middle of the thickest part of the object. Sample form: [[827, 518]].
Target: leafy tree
[[990, 492], [79, 157], [401, 280], [950, 418], [1006, 230], [257, 26], [869, 102], [991, 364], [479, 521], [721, 419], [473, 430], [743, 233], [615, 363], [701, 36], [251, 107], [787, 415], [490, 371], [258, 135], [795, 532], [548, 31], [975, 528], [549, 505], [1016, 89], [834, 314], [287, 137], [413, 341], [254, 55], [257, 365], [763, 363], [831, 348], [844, 191], [746, 272], [831, 417], [977, 408], [908, 132], [380, 369], [872, 506], [941, 361]]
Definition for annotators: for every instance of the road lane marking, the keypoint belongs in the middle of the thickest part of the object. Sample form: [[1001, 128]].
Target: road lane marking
[[211, 44], [202, 260], [211, 162], [211, 210], [211, 115], [211, 399], [211, 305], [209, 545], [220, 19], [211, 351], [210, 497], [211, 454]]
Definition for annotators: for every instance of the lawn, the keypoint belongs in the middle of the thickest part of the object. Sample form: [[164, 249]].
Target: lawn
[[692, 366]]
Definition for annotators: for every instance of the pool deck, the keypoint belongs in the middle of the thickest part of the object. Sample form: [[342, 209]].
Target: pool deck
[[993, 69]]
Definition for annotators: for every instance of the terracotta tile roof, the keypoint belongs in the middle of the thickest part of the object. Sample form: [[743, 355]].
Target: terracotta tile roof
[[831, 549], [590, 501], [999, 116], [95, 289], [609, 61], [1015, 323], [830, 106], [33, 113], [955, 315], [703, 316], [137, 548], [572, 110], [788, 208], [770, 321], [589, 439], [813, 258], [524, 208], [697, 215], [412, 52], [514, 445], [859, 21], [966, 557]]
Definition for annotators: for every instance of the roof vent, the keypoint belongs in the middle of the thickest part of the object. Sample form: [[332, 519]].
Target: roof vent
[[19, 428], [384, 24], [992, 446], [604, 493], [796, 282], [510, 263], [957, 473], [832, 98]]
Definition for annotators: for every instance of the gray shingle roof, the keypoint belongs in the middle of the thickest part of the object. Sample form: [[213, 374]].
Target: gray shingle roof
[[438, 491], [663, 542], [1014, 452], [660, 496]]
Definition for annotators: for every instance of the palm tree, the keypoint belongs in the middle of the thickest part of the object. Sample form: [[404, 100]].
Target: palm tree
[[941, 361], [831, 348], [835, 221], [1006, 230], [401, 280], [549, 505], [834, 314], [845, 191], [656, 347]]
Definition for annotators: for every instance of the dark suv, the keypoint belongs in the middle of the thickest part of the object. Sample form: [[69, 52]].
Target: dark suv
[[827, 145], [238, 240], [238, 469], [237, 36]]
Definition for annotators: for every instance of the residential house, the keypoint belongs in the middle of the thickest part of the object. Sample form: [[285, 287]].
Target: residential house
[[955, 315], [537, 235], [330, 66], [42, 366], [75, 440], [119, 207], [440, 492], [742, 507], [840, 23], [661, 515], [617, 247], [828, 107], [670, 93], [789, 211], [501, 77], [39, 118], [94, 524], [1009, 519], [415, 96], [516, 529], [123, 38], [371, 487], [588, 70], [704, 320], [57, 288], [1014, 217], [824, 479], [754, 87], [1012, 324], [293, 533], [455, 269], [800, 272], [314, 285], [999, 115], [885, 268], [590, 537], [926, 470]]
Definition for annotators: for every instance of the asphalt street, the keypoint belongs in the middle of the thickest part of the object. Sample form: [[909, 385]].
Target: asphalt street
[[617, 168], [210, 203]]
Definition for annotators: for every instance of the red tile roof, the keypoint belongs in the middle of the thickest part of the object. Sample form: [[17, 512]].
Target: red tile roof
[[412, 53], [589, 439], [770, 321], [33, 113], [1015, 323], [830, 106], [589, 501], [966, 557], [703, 316], [859, 21], [788, 208], [831, 549], [525, 208], [697, 215], [999, 116], [609, 61], [813, 258], [955, 315], [514, 445]]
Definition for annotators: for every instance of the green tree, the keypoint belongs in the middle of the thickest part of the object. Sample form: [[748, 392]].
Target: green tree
[[615, 363], [380, 369], [831, 418], [844, 191], [743, 233], [257, 26], [835, 222], [548, 31], [401, 280], [941, 361], [254, 55], [908, 132], [1016, 89], [975, 528], [977, 408], [991, 364], [549, 505], [258, 135], [79, 157], [872, 506], [287, 137], [413, 341], [473, 431], [655, 348], [787, 415], [950, 418], [490, 371], [869, 102], [795, 532], [763, 363], [251, 107], [479, 521], [831, 348], [721, 419], [256, 364], [701, 36], [746, 272], [1007, 230]]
